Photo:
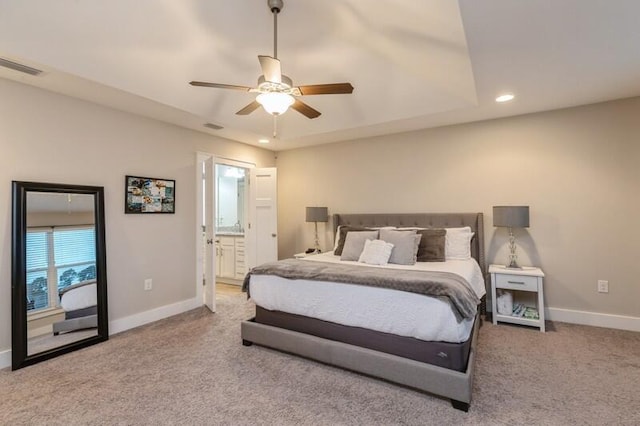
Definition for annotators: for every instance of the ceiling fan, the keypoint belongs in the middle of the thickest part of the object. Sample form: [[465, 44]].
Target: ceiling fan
[[276, 92]]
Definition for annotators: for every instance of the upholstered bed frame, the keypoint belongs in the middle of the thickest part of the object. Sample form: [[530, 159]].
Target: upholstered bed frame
[[448, 383], [79, 319]]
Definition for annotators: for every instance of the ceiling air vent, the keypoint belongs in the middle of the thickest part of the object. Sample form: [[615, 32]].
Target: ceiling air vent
[[213, 126], [19, 67]]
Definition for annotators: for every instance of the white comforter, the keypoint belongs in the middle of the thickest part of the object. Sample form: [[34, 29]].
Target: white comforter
[[80, 298], [380, 309]]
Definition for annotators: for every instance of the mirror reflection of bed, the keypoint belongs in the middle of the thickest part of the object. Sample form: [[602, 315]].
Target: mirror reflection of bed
[[61, 270]]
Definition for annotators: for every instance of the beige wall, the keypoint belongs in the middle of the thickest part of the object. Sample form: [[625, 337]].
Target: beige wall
[[578, 169], [52, 138], [35, 220]]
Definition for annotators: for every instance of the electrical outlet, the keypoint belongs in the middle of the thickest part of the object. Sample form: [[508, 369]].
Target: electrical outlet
[[603, 286], [148, 284]]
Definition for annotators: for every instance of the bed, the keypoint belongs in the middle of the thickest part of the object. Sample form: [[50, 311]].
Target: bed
[[79, 302], [438, 358]]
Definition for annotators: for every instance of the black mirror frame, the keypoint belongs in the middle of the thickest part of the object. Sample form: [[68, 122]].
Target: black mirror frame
[[19, 354]]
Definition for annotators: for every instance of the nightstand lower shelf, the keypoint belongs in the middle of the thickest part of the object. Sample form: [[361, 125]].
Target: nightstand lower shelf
[[518, 320]]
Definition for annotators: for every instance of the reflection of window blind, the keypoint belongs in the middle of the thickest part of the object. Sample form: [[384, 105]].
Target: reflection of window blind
[[37, 250], [37, 269], [77, 245], [73, 250]]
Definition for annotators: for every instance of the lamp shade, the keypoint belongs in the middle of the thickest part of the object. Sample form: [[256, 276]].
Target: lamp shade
[[317, 214], [511, 216]]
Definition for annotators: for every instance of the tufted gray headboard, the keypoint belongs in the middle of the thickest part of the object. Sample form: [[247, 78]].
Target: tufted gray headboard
[[422, 220]]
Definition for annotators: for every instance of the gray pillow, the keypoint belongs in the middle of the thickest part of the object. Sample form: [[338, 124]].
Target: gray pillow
[[354, 243], [432, 245], [344, 230], [405, 245]]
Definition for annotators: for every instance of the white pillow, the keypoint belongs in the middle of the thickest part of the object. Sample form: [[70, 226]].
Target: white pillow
[[376, 252], [457, 244]]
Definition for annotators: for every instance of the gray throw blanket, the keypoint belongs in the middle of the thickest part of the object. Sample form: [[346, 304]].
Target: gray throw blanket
[[442, 285]]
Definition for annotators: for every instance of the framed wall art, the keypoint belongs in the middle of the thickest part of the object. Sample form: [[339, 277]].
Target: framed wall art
[[149, 195]]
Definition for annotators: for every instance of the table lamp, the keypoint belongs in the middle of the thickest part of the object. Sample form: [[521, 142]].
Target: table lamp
[[511, 217], [315, 215]]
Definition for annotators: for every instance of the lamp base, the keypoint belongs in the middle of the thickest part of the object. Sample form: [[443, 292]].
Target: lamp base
[[317, 240], [513, 257]]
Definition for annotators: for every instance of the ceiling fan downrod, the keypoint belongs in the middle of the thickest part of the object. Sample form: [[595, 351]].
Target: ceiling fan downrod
[[275, 6]]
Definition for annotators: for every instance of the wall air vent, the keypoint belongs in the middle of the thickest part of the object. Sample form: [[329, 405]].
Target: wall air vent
[[19, 67], [213, 126]]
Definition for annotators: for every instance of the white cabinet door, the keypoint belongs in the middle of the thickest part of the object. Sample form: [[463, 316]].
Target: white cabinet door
[[240, 269], [218, 257], [228, 257]]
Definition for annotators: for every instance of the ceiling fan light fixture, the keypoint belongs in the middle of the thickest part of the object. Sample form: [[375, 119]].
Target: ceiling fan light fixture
[[275, 103]]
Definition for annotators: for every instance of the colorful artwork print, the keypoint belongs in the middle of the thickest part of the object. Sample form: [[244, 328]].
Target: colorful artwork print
[[149, 195]]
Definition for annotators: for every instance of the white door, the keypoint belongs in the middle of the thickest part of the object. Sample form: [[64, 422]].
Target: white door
[[262, 236], [209, 235]]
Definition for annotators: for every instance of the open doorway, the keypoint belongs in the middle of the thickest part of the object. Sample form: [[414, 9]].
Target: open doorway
[[236, 231], [231, 198], [222, 205]]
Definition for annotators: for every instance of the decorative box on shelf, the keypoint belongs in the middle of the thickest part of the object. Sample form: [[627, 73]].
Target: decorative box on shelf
[[524, 294]]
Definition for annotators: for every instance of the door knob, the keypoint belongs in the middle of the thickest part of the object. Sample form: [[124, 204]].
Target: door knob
[[273, 235]]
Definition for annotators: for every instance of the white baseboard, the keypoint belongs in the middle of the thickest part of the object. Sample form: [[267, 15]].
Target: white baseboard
[[133, 321], [5, 358], [595, 319]]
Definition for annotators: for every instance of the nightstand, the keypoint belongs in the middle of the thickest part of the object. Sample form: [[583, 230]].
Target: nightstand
[[303, 255], [524, 284]]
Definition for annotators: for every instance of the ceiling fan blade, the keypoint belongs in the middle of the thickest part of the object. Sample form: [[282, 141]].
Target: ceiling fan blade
[[249, 108], [271, 69], [219, 86], [326, 89], [305, 109]]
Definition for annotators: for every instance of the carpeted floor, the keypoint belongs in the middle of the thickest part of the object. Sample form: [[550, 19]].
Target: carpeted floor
[[192, 369]]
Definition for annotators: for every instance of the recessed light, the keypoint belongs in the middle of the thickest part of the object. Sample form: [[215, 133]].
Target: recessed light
[[505, 98], [263, 140]]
